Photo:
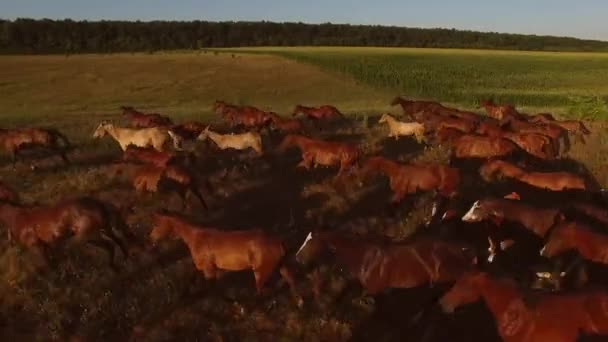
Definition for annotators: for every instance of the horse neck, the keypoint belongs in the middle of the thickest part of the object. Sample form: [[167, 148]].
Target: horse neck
[[114, 132], [349, 252], [184, 230], [214, 136], [497, 295]]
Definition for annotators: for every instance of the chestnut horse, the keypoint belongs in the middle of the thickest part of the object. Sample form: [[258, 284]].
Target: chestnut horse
[[285, 125], [148, 155], [324, 112], [536, 220], [573, 126], [16, 140], [149, 178], [557, 134], [247, 116], [502, 113], [379, 266], [324, 153], [86, 219], [554, 181], [215, 251], [138, 119], [411, 107], [480, 147], [409, 179], [552, 317], [539, 145], [576, 236]]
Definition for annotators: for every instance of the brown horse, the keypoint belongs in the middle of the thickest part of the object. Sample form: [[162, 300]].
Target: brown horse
[[536, 144], [85, 219], [16, 140], [215, 251], [576, 236], [553, 317], [573, 126], [409, 179], [554, 181], [285, 125], [324, 153], [538, 221], [379, 266], [557, 134], [246, 116], [480, 147], [598, 213], [324, 112], [148, 155], [502, 113], [447, 135], [149, 178], [7, 194], [138, 119], [411, 107]]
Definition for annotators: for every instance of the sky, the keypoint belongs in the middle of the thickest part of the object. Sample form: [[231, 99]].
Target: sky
[[575, 18]]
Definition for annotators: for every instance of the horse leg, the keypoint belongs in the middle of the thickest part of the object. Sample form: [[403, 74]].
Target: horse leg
[[287, 275], [195, 191], [261, 274], [119, 242]]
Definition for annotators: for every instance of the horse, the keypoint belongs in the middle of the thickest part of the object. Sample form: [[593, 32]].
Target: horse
[[324, 112], [575, 127], [16, 140], [324, 153], [556, 133], [552, 317], [138, 119], [576, 236], [86, 219], [379, 266], [599, 214], [7, 194], [149, 178], [446, 135], [189, 130], [155, 137], [215, 251], [247, 116], [502, 113], [410, 107], [410, 179], [148, 155], [285, 125], [239, 142], [536, 220], [398, 128], [554, 181], [480, 147]]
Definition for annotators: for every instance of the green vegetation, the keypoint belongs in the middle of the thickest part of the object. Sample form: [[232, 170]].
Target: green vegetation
[[68, 36], [543, 81]]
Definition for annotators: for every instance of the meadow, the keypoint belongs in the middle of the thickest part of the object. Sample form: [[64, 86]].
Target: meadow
[[154, 298]]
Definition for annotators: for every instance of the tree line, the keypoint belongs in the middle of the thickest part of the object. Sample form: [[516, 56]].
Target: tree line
[[69, 36]]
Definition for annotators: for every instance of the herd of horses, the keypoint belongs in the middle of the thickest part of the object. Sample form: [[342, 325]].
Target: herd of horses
[[506, 145]]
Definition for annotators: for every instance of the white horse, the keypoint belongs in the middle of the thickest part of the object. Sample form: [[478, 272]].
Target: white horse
[[398, 128], [155, 137], [241, 141]]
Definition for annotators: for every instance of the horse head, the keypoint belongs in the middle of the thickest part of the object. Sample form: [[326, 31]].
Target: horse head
[[385, 118], [162, 227], [312, 247], [204, 133], [102, 129], [465, 291], [558, 241], [477, 213]]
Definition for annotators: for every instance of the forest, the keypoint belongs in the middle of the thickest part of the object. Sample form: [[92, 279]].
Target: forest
[[45, 36]]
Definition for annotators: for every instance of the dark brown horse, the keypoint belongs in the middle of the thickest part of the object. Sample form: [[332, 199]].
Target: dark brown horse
[[245, 116], [85, 219], [538, 221], [411, 107], [16, 140], [410, 179], [553, 317], [380, 266], [323, 153], [139, 119], [576, 236], [324, 112], [215, 251], [285, 125]]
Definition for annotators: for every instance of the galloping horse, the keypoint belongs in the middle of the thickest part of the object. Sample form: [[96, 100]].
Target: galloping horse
[[239, 142], [285, 125], [538, 221], [16, 140], [554, 181], [567, 236], [480, 147], [215, 251], [556, 133], [86, 219], [502, 113], [138, 119], [148, 156], [155, 137], [324, 112], [247, 116], [536, 144], [397, 128], [410, 107], [575, 127], [409, 179], [324, 153], [553, 317], [379, 266]]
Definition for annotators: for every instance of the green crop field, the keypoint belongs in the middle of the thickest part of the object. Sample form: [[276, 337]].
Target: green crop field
[[572, 83]]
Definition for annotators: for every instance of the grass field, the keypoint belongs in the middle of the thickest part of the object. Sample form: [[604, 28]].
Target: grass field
[[539, 80], [154, 296]]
